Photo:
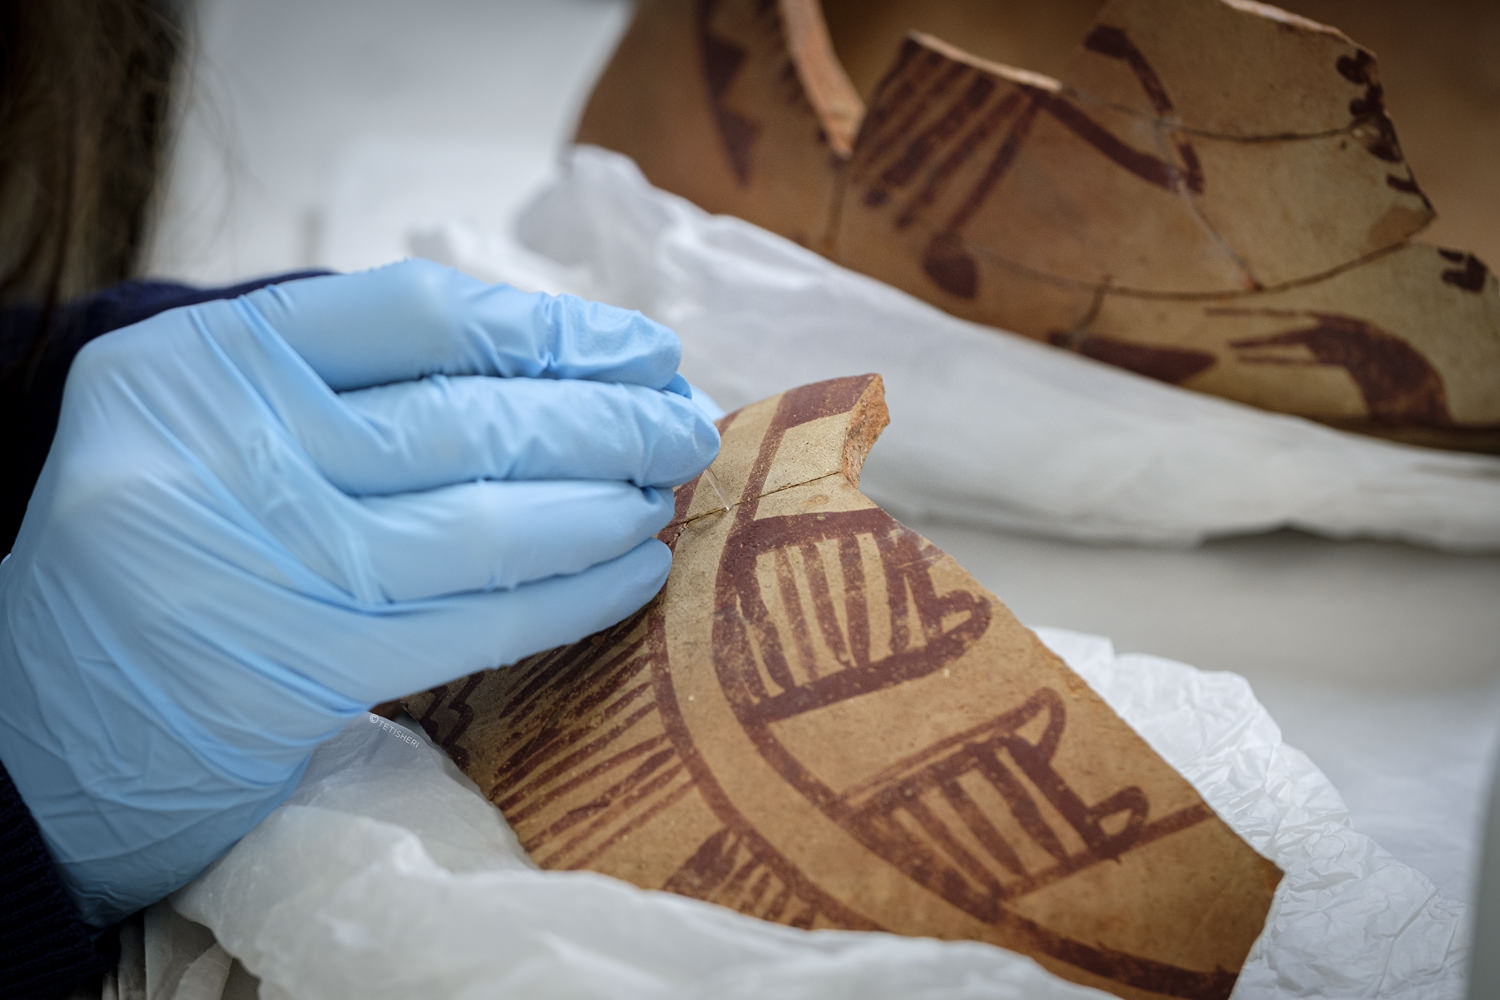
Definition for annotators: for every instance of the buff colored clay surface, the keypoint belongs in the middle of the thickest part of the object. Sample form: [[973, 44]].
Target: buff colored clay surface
[[823, 720], [1210, 194]]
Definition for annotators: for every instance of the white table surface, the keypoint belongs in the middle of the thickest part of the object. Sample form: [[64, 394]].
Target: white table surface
[[1381, 661]]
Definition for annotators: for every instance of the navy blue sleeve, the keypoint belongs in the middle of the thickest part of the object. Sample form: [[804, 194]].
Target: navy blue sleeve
[[45, 948], [33, 370]]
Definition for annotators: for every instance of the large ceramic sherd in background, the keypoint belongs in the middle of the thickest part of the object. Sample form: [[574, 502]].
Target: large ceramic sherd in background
[[1211, 194], [823, 720]]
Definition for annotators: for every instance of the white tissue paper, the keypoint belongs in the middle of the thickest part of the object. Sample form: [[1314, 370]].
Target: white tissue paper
[[987, 427], [386, 874]]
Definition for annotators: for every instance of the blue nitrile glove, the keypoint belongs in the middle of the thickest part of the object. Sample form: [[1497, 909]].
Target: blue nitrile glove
[[262, 515]]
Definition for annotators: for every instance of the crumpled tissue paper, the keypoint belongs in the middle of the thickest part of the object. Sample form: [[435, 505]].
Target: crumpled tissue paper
[[387, 874], [987, 427]]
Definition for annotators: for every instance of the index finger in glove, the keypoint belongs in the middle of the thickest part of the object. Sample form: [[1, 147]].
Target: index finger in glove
[[437, 431], [418, 318]]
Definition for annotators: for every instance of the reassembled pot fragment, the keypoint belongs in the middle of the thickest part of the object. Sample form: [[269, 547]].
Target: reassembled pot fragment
[[1211, 195]]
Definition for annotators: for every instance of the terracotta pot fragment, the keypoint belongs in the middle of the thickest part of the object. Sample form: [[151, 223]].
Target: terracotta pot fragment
[[1199, 167], [824, 721]]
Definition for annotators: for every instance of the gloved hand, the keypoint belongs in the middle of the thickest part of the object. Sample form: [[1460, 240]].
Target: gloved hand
[[261, 516]]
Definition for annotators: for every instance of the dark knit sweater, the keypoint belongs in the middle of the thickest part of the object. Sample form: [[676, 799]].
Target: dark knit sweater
[[45, 948]]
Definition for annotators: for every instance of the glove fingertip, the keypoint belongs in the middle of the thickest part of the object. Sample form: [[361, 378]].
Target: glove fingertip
[[595, 340], [655, 563], [638, 576], [706, 438]]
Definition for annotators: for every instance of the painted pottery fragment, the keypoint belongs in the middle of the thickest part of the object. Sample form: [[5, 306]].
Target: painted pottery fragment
[[824, 721], [1198, 169]]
